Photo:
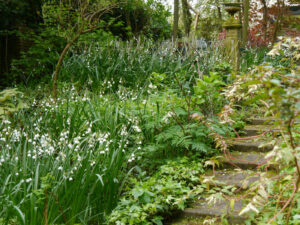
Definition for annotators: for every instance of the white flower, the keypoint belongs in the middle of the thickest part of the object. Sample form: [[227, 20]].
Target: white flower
[[137, 129], [6, 122]]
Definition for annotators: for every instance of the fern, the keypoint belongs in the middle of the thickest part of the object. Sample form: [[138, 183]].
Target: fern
[[169, 134], [201, 147]]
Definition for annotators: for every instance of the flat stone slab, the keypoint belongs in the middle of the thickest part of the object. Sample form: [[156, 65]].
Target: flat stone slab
[[244, 160], [218, 209], [239, 179], [249, 146], [266, 121], [252, 130], [263, 121]]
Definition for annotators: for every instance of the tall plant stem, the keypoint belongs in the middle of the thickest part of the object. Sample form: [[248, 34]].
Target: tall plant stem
[[289, 128]]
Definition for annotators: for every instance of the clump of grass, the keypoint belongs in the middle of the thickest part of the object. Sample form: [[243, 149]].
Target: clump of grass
[[63, 164], [106, 66]]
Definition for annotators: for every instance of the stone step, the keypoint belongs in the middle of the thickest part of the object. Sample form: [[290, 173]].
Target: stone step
[[217, 209], [267, 121], [244, 160], [263, 121], [249, 146], [240, 179], [252, 130]]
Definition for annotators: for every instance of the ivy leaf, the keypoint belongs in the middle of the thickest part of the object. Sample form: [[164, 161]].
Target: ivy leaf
[[180, 204], [157, 220], [137, 193]]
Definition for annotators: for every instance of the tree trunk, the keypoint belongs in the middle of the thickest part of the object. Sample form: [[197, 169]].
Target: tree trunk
[[128, 21], [219, 16], [280, 6], [62, 55], [176, 19], [58, 65], [265, 19], [219, 12], [246, 5], [196, 21], [187, 17]]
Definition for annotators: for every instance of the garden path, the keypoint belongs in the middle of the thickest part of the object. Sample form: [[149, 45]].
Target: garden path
[[241, 168]]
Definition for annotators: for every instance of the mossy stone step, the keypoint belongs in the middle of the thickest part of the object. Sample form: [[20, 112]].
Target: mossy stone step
[[263, 121], [252, 130], [244, 160], [217, 209], [238, 178], [249, 146], [266, 121]]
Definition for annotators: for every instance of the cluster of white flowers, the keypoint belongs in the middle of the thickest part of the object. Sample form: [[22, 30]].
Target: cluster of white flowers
[[136, 128], [40, 144], [151, 86], [166, 118], [108, 84], [131, 159]]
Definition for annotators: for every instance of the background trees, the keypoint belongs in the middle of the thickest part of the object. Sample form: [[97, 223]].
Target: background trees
[[54, 23]]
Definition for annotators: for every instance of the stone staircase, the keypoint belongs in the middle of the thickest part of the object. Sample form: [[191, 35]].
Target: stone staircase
[[240, 171]]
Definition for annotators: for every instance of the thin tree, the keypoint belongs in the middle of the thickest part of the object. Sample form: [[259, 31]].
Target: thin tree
[[175, 20], [87, 22], [246, 6], [280, 7], [187, 17], [197, 13], [265, 19]]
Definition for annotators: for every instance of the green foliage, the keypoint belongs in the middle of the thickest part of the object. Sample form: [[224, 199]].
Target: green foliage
[[14, 13], [142, 19], [38, 63], [210, 19], [168, 189], [208, 93], [10, 102], [252, 57]]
